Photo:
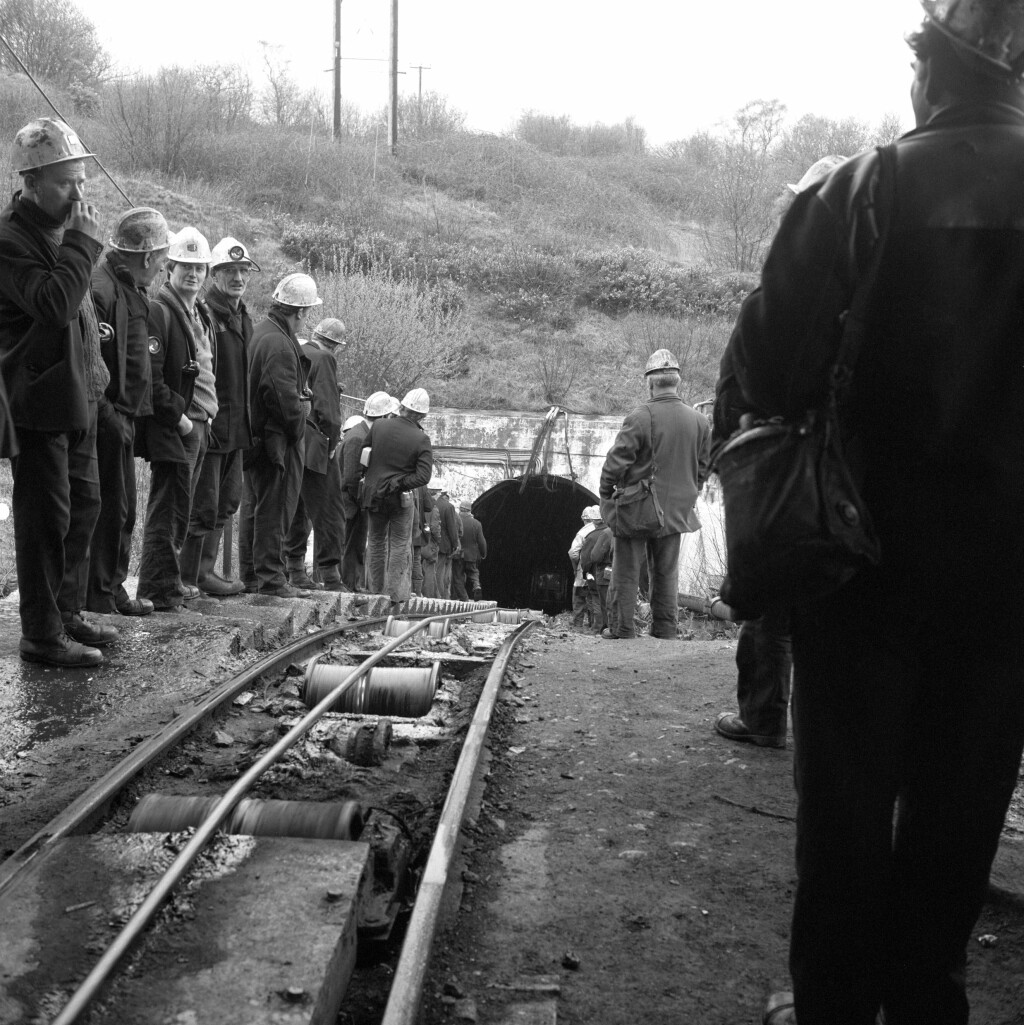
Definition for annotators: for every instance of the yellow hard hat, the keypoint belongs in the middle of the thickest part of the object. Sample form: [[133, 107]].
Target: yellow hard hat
[[46, 141]]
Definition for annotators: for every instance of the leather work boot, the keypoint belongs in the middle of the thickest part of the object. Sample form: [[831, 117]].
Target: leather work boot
[[298, 577], [94, 634], [286, 591], [209, 580], [59, 651], [330, 576]]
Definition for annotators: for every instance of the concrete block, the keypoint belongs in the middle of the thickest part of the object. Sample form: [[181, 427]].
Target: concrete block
[[263, 932]]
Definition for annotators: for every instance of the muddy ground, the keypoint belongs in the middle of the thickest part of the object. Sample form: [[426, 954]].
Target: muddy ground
[[641, 860]]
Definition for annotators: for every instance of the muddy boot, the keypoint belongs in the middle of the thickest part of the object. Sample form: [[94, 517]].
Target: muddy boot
[[188, 566], [298, 577], [209, 579], [331, 578]]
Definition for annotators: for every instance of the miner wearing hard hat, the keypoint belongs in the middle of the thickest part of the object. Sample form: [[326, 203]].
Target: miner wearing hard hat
[[908, 736], [176, 435], [320, 505], [667, 440], [280, 403], [54, 376], [138, 251], [218, 491], [400, 460], [356, 428]]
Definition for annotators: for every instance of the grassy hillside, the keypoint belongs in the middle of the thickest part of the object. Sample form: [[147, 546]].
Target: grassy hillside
[[494, 273]]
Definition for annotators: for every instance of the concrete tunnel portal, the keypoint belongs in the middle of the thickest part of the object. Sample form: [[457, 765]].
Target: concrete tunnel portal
[[528, 531]]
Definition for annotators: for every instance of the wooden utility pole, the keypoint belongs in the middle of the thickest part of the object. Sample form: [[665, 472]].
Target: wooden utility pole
[[393, 102], [337, 70], [419, 103]]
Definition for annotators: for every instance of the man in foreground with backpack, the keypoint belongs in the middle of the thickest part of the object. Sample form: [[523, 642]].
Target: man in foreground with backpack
[[667, 440]]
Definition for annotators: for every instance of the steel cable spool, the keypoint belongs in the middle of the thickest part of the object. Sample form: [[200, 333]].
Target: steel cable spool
[[508, 616], [404, 691], [487, 616], [393, 627], [439, 628], [311, 820]]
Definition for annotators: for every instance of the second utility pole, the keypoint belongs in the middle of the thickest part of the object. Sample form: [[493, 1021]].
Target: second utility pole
[[393, 103]]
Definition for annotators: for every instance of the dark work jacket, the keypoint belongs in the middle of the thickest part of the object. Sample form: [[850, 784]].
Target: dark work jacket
[[352, 444], [448, 525], [666, 431], [596, 553], [171, 346], [42, 286], [474, 546], [401, 459], [323, 426], [125, 307], [937, 403], [424, 506], [277, 384], [232, 427]]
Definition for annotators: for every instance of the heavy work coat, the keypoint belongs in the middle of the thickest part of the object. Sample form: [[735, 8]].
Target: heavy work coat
[[277, 384], [938, 391], [401, 459], [448, 529], [667, 432], [352, 445], [474, 545], [171, 346], [232, 427], [42, 285], [125, 307], [323, 426]]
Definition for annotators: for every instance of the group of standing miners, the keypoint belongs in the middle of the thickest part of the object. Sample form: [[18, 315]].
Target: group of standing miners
[[230, 415]]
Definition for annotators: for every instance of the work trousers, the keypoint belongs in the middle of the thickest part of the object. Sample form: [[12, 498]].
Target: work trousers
[[353, 570], [55, 502], [916, 718], [111, 545], [389, 553], [319, 510], [428, 555], [661, 555], [580, 608], [764, 667], [218, 492], [597, 603], [270, 497], [171, 487], [465, 579], [443, 575], [417, 569]]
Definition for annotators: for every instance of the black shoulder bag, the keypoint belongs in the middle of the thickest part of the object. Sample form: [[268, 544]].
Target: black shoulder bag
[[635, 511], [796, 527]]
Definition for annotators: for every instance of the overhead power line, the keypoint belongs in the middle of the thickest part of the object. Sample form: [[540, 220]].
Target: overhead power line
[[42, 92]]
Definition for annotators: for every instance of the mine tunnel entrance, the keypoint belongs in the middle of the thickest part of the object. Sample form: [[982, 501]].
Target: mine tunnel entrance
[[528, 532]]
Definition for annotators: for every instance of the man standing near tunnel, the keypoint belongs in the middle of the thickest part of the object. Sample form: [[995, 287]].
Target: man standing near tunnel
[[668, 439]]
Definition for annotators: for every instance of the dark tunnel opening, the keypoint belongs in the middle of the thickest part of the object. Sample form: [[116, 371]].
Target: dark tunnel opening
[[528, 534]]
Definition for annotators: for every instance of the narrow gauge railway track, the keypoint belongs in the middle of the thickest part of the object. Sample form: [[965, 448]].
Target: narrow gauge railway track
[[42, 865]]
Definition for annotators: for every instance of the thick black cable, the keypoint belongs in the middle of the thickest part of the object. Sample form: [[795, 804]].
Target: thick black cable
[[42, 92]]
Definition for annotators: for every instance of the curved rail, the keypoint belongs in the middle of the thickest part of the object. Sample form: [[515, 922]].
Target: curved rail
[[407, 989], [132, 929]]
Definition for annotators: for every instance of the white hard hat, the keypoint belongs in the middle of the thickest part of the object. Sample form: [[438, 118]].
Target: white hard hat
[[230, 250], [438, 483], [297, 290], [815, 173], [46, 141], [417, 400], [591, 513], [661, 359], [378, 404], [140, 230], [330, 330], [351, 422], [189, 246]]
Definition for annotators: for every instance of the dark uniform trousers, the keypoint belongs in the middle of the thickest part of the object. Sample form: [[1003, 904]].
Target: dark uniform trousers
[[465, 578], [111, 545], [320, 505], [171, 488], [764, 666], [218, 493], [353, 560], [661, 555], [270, 497], [389, 553], [55, 501]]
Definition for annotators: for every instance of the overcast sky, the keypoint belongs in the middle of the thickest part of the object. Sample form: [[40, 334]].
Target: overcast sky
[[675, 66]]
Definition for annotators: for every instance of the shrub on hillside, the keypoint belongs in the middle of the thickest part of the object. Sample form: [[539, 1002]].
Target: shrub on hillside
[[399, 334]]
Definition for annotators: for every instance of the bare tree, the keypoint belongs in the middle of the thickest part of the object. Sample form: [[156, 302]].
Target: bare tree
[[889, 129], [814, 136], [229, 87], [55, 41], [280, 101]]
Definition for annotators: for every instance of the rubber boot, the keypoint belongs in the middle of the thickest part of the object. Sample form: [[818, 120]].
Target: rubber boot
[[298, 577], [188, 566], [209, 580]]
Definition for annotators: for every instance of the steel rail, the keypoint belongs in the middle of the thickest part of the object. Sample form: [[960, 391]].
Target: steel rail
[[87, 806], [89, 988], [407, 988]]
